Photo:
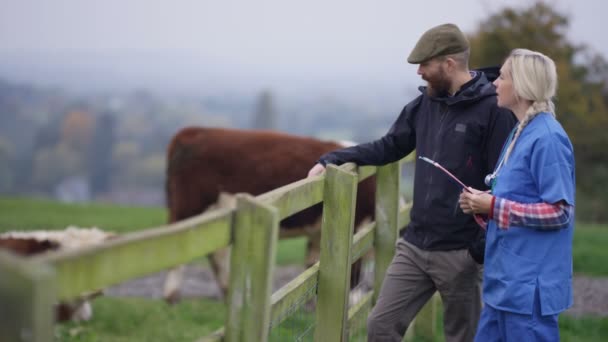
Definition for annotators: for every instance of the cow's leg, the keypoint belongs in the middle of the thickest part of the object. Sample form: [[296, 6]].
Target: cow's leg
[[220, 259], [358, 271], [173, 281], [83, 312], [78, 310], [356, 274], [313, 247], [220, 264], [189, 208]]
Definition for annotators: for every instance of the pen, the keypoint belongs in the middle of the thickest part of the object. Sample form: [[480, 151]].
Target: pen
[[437, 165]]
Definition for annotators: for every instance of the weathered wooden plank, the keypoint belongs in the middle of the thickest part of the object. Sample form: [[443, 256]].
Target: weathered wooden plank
[[137, 254], [366, 171], [387, 208], [283, 301], [404, 216], [295, 197], [297, 291], [362, 172], [216, 336], [256, 229], [27, 296], [336, 241], [362, 307], [363, 241]]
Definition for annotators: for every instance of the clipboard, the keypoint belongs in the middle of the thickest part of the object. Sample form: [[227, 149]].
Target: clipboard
[[478, 218]]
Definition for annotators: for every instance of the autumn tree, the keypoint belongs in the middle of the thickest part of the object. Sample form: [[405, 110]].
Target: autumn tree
[[582, 96], [52, 164], [77, 129], [61, 150]]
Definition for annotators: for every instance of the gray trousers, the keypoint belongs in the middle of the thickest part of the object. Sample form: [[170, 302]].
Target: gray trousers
[[410, 281]]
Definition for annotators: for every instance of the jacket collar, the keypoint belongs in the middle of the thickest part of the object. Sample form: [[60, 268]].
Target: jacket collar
[[475, 89]]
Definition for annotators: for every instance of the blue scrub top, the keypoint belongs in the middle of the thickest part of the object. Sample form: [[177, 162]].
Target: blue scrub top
[[520, 260]]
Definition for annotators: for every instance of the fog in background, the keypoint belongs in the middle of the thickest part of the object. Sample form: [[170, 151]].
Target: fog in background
[[91, 92], [352, 49]]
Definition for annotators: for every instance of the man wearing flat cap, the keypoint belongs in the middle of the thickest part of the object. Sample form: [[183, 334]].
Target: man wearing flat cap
[[456, 122]]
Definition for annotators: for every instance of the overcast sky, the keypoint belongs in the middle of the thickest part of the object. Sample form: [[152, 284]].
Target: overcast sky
[[257, 43]]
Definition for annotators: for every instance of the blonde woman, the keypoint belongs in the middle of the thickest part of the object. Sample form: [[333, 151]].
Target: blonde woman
[[528, 269]]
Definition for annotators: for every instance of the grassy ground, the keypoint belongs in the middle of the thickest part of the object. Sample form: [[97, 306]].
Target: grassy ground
[[580, 329], [583, 329], [33, 214], [135, 319], [589, 250], [132, 319]]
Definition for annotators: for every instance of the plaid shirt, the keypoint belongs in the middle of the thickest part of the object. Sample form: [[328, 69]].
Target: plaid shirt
[[532, 215]]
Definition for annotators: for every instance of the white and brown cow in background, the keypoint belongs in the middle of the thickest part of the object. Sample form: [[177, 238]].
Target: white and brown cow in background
[[205, 166], [29, 243]]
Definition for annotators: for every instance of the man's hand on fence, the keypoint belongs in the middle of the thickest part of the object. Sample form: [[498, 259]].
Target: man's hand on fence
[[316, 170]]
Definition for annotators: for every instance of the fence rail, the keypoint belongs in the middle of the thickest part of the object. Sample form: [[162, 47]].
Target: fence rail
[[29, 287]]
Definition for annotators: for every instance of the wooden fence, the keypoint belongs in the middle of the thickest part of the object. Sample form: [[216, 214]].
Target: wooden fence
[[29, 287]]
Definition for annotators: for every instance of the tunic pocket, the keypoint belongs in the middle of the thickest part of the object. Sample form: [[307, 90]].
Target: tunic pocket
[[511, 281], [514, 267]]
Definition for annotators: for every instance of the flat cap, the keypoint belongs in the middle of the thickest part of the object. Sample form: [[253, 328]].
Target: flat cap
[[441, 40]]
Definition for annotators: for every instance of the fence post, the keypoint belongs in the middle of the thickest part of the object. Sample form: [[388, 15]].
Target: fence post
[[425, 323], [251, 268], [27, 298], [387, 212], [336, 240]]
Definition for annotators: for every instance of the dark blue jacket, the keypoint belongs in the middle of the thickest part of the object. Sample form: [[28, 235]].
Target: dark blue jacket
[[464, 133]]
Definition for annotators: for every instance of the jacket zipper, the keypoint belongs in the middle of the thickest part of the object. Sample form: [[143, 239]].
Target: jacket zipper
[[442, 115]]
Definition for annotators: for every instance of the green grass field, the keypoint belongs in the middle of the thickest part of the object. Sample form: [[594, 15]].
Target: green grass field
[[133, 319], [589, 250], [580, 329], [34, 214], [37, 214], [136, 319]]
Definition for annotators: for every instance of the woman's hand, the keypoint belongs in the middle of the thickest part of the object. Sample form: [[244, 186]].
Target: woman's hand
[[475, 202]]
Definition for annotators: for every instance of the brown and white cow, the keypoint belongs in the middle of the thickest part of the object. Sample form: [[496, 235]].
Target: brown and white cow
[[29, 243], [205, 166]]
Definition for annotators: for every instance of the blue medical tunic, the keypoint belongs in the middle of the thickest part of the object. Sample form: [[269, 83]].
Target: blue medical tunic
[[521, 260]]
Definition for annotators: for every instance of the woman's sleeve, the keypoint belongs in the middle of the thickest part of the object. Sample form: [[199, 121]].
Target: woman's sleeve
[[552, 168], [531, 215]]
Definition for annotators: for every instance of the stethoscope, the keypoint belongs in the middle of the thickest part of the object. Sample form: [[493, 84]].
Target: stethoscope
[[490, 179]]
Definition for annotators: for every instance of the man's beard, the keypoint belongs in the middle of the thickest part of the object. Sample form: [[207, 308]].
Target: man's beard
[[438, 85]]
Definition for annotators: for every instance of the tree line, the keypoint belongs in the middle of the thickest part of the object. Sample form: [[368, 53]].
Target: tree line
[[582, 95]]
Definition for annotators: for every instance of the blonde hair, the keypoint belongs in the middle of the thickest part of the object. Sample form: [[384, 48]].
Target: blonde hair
[[534, 79]]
